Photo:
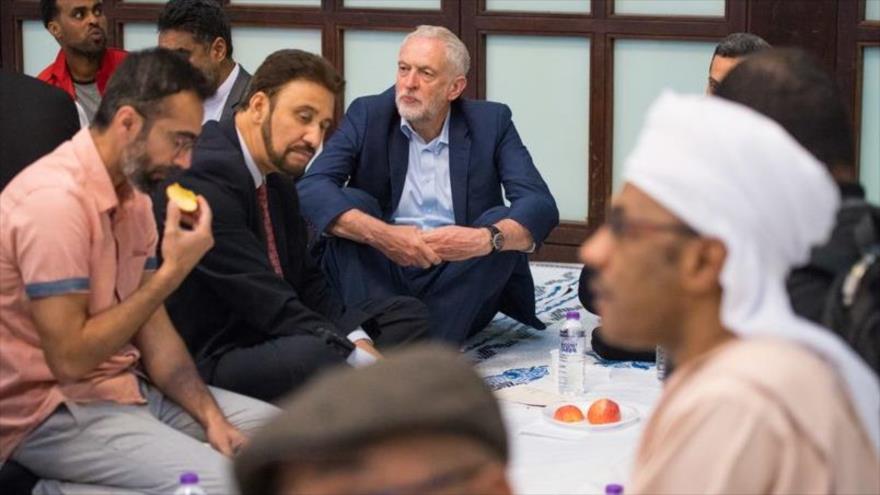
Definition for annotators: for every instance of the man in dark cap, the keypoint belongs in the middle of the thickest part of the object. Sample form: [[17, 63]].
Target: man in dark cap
[[362, 431]]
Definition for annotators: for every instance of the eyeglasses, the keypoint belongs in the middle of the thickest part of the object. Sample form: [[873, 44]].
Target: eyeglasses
[[621, 226], [436, 482], [182, 141]]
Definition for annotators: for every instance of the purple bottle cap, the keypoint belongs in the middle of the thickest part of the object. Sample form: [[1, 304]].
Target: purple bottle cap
[[573, 315], [189, 478], [613, 489]]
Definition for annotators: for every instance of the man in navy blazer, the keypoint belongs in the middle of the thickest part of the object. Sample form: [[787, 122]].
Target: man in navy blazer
[[408, 196]]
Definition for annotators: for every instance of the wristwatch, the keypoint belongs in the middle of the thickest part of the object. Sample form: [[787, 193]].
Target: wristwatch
[[496, 238]]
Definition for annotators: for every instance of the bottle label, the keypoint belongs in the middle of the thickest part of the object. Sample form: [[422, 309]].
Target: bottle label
[[568, 348]]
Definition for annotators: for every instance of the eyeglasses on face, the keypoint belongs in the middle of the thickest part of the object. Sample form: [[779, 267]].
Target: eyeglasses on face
[[181, 141], [439, 481], [621, 226]]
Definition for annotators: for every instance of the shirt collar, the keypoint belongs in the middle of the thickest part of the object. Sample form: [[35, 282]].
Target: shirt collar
[[249, 161], [224, 89], [442, 139], [96, 177]]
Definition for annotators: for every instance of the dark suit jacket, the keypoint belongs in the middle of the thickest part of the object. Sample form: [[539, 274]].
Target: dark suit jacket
[[371, 153], [236, 93], [233, 298], [34, 119]]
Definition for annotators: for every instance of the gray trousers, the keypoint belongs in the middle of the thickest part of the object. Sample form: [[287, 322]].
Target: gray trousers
[[105, 447]]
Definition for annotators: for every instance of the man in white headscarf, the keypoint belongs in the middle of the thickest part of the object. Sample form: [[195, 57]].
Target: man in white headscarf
[[718, 204]]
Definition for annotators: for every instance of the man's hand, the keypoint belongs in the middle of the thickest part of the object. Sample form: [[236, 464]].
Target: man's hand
[[224, 437], [181, 248], [454, 243], [368, 347], [403, 244]]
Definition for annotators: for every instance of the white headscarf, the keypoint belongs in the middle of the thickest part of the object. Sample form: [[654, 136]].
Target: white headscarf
[[733, 174]]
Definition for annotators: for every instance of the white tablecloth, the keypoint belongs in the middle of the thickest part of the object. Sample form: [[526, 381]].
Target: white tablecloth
[[548, 459]]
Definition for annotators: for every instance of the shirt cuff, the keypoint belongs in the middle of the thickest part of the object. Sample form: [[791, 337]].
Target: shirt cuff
[[359, 334], [360, 358]]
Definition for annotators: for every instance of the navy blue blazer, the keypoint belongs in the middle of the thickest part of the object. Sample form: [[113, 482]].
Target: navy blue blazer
[[371, 153]]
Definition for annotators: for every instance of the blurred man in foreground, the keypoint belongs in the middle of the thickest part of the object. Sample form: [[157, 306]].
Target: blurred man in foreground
[[718, 204], [421, 421]]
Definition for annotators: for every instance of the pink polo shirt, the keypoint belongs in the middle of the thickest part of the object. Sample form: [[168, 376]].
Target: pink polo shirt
[[63, 230]]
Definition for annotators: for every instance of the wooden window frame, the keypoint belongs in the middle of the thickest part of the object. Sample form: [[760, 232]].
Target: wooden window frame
[[835, 30]]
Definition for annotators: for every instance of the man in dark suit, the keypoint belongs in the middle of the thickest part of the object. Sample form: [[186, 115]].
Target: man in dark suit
[[199, 30], [410, 189], [257, 312], [34, 119]]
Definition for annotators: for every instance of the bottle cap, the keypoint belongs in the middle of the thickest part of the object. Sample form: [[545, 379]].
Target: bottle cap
[[613, 489], [573, 315], [189, 478]]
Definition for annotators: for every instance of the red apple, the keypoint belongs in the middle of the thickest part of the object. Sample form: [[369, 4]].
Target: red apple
[[603, 411], [568, 414]]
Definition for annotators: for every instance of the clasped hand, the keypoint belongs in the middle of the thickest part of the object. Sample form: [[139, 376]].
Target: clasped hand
[[407, 245]]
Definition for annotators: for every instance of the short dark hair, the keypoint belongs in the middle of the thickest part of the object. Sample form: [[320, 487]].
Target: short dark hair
[[287, 65], [789, 86], [48, 11], [205, 20], [144, 79], [740, 44]]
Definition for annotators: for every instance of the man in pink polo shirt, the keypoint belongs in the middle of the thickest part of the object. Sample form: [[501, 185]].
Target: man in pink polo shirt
[[97, 391]]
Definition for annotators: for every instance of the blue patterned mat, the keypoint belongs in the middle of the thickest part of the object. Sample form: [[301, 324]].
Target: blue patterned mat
[[508, 353]]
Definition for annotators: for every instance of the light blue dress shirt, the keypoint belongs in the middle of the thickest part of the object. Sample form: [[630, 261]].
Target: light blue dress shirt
[[426, 200]]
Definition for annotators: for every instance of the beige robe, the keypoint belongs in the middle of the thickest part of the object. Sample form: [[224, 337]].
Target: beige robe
[[755, 416]]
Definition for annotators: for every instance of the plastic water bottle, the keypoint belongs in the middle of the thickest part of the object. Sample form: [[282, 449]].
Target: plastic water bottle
[[661, 363], [189, 485], [572, 344]]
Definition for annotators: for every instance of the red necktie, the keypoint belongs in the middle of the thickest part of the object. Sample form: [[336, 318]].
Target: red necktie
[[263, 199]]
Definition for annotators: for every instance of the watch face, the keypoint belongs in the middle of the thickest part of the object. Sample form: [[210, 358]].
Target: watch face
[[498, 241]]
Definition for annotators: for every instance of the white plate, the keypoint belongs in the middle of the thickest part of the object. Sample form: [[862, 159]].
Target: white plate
[[628, 416]]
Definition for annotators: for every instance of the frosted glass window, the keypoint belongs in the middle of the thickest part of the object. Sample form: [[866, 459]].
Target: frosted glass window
[[550, 104], [872, 10], [708, 8], [869, 159], [38, 46], [370, 62], [139, 35], [568, 6], [393, 4], [251, 45], [642, 69], [278, 3]]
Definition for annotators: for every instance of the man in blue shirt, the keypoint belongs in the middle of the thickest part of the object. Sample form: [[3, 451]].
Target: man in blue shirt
[[408, 196]]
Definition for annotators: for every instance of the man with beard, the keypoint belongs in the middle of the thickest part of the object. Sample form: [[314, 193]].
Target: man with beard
[[97, 391], [410, 193], [200, 31], [718, 204], [84, 63], [257, 296]]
